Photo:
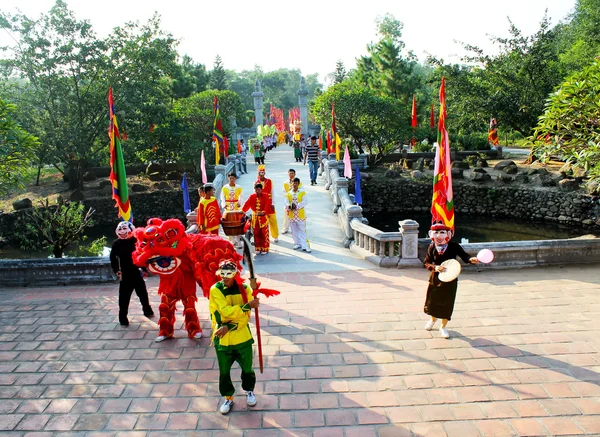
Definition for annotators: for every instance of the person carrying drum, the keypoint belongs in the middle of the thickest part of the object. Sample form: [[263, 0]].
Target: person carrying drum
[[441, 292]]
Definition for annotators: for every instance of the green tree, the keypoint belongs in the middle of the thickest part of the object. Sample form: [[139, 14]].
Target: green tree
[[370, 121], [340, 72], [389, 69], [218, 76], [54, 226], [61, 74], [511, 86], [189, 126], [17, 149], [570, 125], [581, 38]]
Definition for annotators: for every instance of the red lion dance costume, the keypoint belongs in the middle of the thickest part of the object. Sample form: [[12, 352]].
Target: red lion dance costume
[[181, 261]]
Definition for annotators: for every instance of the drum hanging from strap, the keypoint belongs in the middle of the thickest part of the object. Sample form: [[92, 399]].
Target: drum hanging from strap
[[233, 223]]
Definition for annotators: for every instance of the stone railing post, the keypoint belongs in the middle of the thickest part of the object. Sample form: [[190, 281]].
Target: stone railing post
[[220, 177], [363, 157], [329, 175], [322, 163], [410, 244]]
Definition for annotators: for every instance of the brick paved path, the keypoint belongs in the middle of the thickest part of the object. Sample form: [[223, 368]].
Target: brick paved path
[[346, 355]]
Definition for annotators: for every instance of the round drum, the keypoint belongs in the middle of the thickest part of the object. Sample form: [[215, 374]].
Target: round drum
[[233, 223]]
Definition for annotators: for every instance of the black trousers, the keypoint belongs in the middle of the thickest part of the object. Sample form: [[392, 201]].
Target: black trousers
[[132, 281]]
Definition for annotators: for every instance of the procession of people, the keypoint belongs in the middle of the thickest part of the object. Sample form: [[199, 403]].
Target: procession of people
[[231, 300]]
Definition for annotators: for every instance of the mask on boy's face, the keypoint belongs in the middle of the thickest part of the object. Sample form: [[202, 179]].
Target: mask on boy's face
[[124, 230], [440, 236], [227, 269]]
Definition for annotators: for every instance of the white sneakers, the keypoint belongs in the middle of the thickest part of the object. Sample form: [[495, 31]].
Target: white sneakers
[[250, 398], [162, 338], [429, 325], [443, 331], [198, 335], [226, 406], [307, 250], [275, 240], [297, 246]]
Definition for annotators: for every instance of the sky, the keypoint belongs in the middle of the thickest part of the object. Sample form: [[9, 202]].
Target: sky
[[309, 35]]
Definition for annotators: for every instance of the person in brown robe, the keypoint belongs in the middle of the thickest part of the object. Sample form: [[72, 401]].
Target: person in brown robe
[[439, 302]]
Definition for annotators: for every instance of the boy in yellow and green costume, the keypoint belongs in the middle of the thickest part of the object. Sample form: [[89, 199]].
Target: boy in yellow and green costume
[[230, 303]]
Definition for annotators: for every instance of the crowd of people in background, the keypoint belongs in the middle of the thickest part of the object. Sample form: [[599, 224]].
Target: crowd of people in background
[[260, 207]]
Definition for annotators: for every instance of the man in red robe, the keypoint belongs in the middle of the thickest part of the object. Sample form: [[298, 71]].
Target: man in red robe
[[260, 204], [267, 189]]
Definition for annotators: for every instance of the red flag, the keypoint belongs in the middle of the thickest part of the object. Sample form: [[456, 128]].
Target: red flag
[[329, 148], [442, 202], [225, 146], [413, 121], [152, 127], [432, 118]]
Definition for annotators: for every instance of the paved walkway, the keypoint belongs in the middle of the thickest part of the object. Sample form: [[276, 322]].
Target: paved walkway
[[322, 225], [345, 352]]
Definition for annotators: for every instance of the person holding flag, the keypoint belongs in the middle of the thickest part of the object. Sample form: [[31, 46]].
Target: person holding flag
[[230, 303], [440, 298]]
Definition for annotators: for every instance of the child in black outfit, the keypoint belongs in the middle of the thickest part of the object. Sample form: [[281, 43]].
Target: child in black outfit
[[439, 302], [129, 275]]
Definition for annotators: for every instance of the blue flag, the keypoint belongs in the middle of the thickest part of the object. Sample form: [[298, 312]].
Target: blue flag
[[357, 192], [186, 194]]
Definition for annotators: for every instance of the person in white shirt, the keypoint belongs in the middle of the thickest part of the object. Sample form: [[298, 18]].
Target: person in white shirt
[[287, 186], [296, 201]]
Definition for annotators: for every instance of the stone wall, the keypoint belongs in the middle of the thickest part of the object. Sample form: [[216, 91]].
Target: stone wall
[[391, 195], [163, 204]]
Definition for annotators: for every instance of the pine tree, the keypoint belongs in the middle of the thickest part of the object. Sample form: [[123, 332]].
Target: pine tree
[[340, 72], [217, 76]]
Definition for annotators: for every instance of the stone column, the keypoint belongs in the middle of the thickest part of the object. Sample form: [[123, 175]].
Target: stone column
[[303, 104], [410, 244], [258, 104]]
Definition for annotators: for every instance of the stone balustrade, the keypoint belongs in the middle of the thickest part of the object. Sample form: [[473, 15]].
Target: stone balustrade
[[55, 271], [385, 249]]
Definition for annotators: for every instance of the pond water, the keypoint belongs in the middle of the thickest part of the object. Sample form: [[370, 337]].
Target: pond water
[[484, 229], [92, 234]]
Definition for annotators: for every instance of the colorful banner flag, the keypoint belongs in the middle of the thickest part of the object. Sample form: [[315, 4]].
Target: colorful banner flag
[[335, 138], [357, 190], [493, 133], [186, 194], [329, 146], [432, 118], [442, 202], [413, 117], [217, 132], [239, 147], [323, 140], [203, 168], [118, 177], [347, 164]]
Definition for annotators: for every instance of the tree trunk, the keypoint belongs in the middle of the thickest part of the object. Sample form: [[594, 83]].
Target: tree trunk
[[37, 180], [57, 251], [75, 175]]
